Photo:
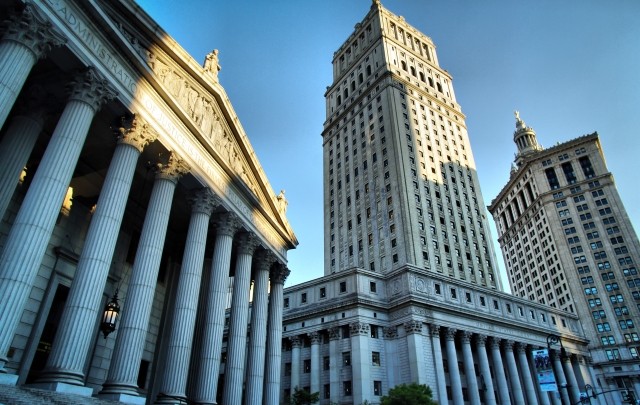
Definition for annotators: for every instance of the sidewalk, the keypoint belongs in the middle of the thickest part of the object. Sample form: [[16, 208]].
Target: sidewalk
[[12, 395]]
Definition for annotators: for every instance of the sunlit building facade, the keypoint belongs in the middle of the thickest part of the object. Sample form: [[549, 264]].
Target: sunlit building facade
[[128, 184], [567, 242], [411, 290]]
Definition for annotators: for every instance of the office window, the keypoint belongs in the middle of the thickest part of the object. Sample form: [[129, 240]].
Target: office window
[[303, 298], [323, 292], [343, 286], [346, 358], [326, 363], [346, 388], [286, 302], [377, 388], [375, 358], [306, 367], [373, 287]]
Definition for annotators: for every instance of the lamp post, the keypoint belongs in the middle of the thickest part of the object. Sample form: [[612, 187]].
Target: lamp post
[[551, 341]]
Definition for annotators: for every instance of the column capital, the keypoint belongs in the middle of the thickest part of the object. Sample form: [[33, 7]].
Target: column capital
[[136, 132], [296, 342], [334, 333], [92, 88], [173, 169], [494, 343], [465, 336], [435, 330], [359, 328], [450, 333], [481, 340], [279, 273], [508, 345], [390, 332], [203, 201], [263, 260], [247, 243], [413, 327], [521, 348], [314, 337], [34, 31], [226, 224]]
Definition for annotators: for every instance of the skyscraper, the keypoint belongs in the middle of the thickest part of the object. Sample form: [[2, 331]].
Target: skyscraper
[[567, 242], [411, 291], [399, 176]]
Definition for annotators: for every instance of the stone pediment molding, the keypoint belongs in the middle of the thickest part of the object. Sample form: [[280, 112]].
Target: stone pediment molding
[[144, 53]]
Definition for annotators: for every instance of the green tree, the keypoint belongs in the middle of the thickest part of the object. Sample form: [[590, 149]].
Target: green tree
[[304, 397], [409, 394]]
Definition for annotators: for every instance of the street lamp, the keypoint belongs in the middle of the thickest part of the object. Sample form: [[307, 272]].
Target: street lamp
[[110, 315], [553, 340]]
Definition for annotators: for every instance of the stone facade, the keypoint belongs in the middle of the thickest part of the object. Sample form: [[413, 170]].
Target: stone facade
[[567, 242], [411, 290], [126, 173]]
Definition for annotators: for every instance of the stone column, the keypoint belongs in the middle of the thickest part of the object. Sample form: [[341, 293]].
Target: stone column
[[206, 387], [236, 346], [469, 368], [75, 332], [315, 362], [296, 344], [498, 369], [121, 383], [29, 236], [586, 370], [176, 368], [485, 370], [415, 348], [560, 378], [516, 387], [360, 362], [454, 371], [335, 363], [258, 337], [572, 382], [525, 373], [277, 276], [28, 37], [18, 142], [439, 363]]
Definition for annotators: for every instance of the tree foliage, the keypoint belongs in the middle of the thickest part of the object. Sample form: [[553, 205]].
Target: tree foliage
[[409, 394], [304, 397]]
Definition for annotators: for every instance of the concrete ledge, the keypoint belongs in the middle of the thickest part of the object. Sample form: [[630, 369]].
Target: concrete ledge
[[64, 388], [8, 379]]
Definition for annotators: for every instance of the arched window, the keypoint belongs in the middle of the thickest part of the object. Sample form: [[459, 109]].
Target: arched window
[[413, 71], [422, 76], [431, 82], [346, 92], [339, 100], [439, 87], [360, 78], [353, 86], [368, 70], [404, 65]]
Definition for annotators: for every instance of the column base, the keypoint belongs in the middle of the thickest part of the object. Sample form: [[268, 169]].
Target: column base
[[8, 379], [124, 398], [64, 388]]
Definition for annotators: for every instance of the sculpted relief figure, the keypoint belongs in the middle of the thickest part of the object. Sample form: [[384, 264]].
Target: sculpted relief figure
[[282, 202], [211, 64]]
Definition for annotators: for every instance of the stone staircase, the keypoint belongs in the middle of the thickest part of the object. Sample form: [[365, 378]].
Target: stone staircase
[[21, 395]]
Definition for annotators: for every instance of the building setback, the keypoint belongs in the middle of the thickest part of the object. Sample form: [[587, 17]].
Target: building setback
[[567, 242], [411, 290], [140, 185]]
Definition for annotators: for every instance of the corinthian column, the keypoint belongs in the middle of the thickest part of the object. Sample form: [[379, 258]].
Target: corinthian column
[[469, 368], [28, 238], [18, 142], [236, 348], [258, 337], [514, 377], [498, 368], [439, 363], [277, 276], [454, 371], [415, 346], [209, 366], [315, 362], [360, 362], [28, 37], [176, 368], [125, 362], [485, 370], [525, 373], [296, 344], [73, 340]]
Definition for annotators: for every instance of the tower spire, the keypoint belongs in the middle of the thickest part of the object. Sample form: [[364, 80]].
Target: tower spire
[[525, 139]]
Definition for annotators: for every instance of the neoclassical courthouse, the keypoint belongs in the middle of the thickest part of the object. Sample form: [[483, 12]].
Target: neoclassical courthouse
[[187, 235]]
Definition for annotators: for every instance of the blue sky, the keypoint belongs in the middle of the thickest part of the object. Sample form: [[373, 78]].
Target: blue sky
[[570, 67]]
